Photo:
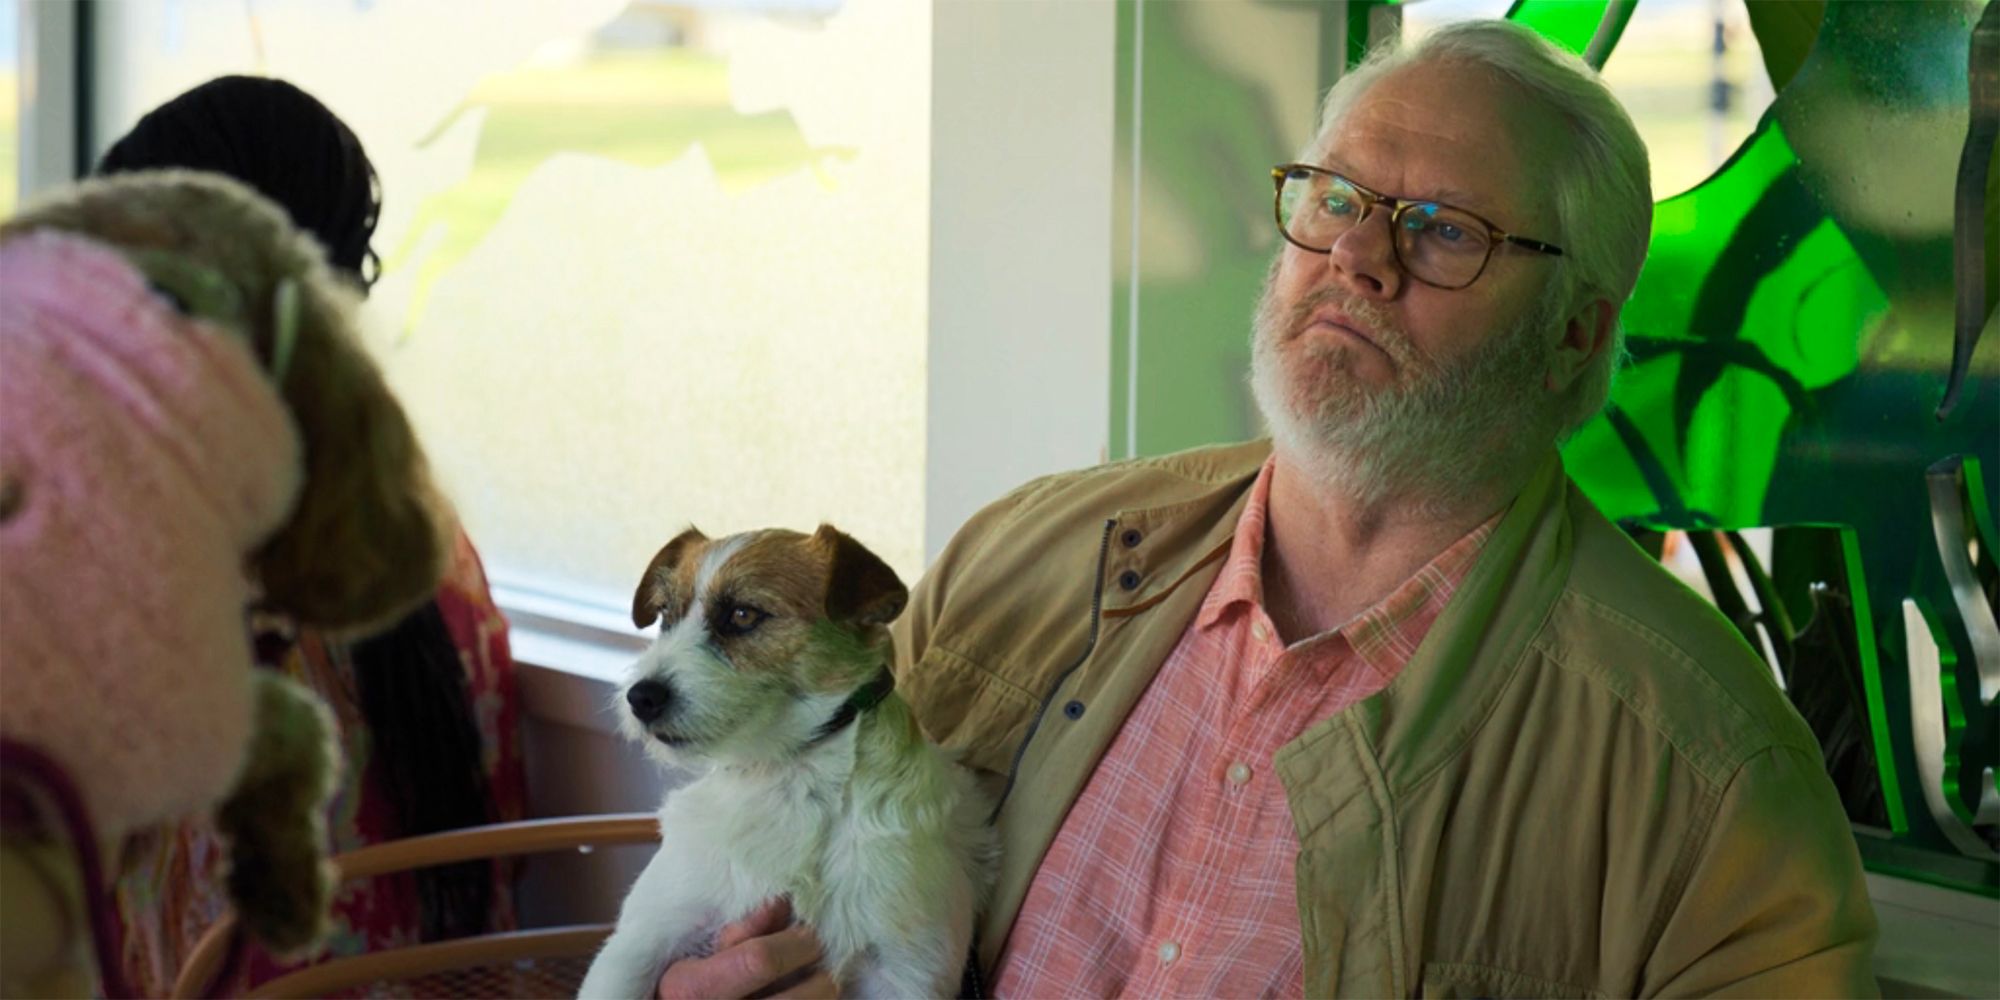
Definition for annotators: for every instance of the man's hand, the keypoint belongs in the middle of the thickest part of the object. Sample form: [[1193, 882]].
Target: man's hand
[[761, 955]]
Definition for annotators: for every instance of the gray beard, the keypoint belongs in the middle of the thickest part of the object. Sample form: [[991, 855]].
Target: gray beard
[[1438, 440]]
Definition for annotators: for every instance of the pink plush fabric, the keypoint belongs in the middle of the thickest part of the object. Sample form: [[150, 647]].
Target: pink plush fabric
[[143, 456]]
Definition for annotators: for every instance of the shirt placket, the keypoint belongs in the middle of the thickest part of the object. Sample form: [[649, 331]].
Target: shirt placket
[[1283, 701], [1201, 865]]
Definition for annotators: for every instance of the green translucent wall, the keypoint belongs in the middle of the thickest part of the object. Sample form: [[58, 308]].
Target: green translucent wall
[[1789, 339]]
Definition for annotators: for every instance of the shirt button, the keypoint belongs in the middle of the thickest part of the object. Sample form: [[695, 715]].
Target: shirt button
[[1169, 951], [1239, 773], [1259, 632]]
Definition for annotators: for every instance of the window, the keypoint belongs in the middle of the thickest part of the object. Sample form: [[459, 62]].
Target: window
[[646, 264], [10, 105]]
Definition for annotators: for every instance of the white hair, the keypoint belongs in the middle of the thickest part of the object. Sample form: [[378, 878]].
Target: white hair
[[1599, 175]]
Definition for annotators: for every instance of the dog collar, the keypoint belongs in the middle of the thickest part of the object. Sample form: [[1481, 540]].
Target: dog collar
[[865, 697]]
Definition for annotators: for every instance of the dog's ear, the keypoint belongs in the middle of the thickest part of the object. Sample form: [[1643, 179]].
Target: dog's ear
[[651, 594], [860, 587]]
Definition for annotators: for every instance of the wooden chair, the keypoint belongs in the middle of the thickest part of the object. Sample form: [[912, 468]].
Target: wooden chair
[[542, 962]]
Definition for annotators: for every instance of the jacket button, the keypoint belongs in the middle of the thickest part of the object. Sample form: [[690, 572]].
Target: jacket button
[[1074, 710], [1129, 579], [1130, 537]]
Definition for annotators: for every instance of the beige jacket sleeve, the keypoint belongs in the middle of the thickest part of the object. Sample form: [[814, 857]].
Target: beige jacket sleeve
[[1774, 905]]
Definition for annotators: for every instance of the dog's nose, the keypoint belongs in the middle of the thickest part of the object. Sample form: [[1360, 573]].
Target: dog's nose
[[649, 699]]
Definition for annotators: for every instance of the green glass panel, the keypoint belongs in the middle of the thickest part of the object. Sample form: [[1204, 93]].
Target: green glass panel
[[1789, 339], [1568, 23], [1785, 33], [1874, 686]]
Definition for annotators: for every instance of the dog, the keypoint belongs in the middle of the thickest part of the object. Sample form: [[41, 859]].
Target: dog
[[772, 671]]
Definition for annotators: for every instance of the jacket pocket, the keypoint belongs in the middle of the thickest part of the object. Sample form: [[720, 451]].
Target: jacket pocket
[[969, 710], [1455, 979]]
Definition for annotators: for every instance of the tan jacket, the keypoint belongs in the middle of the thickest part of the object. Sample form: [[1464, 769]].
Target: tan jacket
[[1584, 783]]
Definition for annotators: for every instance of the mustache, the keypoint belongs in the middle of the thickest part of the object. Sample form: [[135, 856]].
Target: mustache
[[1381, 327]]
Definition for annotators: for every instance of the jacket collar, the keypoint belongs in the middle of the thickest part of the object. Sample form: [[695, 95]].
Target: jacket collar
[[1189, 532], [1442, 696]]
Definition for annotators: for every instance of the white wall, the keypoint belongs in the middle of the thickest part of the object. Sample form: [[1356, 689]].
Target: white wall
[[1022, 114]]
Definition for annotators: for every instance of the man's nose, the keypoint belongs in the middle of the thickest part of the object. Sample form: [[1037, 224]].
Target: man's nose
[[1363, 259], [649, 699]]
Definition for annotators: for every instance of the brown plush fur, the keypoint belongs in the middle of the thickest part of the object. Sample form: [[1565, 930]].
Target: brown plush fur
[[371, 535], [279, 878]]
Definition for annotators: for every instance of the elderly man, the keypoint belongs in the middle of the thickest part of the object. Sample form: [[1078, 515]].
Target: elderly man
[[1385, 707]]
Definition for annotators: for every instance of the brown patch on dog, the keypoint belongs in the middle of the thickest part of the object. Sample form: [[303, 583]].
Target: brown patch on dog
[[773, 570], [668, 584], [773, 575], [860, 587]]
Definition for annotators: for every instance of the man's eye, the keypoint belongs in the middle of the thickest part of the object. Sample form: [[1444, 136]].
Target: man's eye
[[742, 619], [1423, 225]]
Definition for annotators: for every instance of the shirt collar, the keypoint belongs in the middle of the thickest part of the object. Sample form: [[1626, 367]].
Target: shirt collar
[[1386, 635], [1380, 634], [1241, 582]]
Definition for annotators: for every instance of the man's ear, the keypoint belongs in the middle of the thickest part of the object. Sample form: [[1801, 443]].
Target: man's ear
[[860, 587], [1586, 334], [651, 594]]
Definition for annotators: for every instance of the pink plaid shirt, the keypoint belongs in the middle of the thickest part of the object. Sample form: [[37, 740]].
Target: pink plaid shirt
[[1173, 873]]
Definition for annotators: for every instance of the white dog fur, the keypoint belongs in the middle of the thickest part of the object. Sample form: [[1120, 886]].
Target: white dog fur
[[767, 640]]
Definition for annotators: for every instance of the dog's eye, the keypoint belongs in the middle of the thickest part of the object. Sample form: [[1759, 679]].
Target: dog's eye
[[741, 619]]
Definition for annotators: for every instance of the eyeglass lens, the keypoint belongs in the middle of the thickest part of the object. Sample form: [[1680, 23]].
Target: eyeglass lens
[[1434, 243]]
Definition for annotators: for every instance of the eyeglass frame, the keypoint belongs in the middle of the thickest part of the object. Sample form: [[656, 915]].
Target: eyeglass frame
[[1370, 198]]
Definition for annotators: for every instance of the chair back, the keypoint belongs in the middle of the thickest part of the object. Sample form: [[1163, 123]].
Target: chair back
[[541, 962]]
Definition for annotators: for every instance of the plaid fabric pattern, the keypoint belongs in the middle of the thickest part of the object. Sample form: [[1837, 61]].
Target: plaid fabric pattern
[[1173, 873]]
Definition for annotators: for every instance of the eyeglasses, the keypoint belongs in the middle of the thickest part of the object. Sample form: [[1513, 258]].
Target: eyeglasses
[[1436, 244]]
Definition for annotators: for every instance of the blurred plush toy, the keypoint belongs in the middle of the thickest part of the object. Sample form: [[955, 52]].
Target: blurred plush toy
[[189, 427]]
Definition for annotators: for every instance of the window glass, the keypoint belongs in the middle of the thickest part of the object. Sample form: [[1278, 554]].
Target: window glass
[[1422, 17], [646, 264]]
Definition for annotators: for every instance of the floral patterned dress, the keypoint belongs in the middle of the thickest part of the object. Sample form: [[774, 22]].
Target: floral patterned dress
[[171, 889]]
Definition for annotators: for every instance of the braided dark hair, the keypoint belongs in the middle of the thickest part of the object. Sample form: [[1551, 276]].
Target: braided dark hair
[[411, 684], [278, 139]]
